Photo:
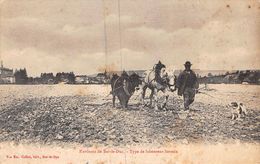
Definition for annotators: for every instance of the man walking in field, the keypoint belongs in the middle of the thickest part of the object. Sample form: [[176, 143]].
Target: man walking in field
[[187, 84]]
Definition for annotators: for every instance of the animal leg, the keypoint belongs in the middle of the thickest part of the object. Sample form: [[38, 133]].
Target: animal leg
[[126, 105], [123, 100], [165, 100], [143, 95], [155, 99], [151, 98], [114, 99]]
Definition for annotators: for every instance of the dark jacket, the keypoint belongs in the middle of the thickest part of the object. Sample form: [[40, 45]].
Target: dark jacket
[[186, 79]]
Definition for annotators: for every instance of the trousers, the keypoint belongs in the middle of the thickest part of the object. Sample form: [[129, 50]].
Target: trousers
[[188, 96]]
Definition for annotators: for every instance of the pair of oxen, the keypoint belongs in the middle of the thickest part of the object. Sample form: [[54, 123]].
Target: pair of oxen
[[124, 86]]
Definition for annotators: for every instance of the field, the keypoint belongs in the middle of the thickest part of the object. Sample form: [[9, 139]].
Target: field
[[83, 114]]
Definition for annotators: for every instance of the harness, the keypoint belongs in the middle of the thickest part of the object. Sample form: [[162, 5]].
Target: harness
[[152, 80], [149, 78]]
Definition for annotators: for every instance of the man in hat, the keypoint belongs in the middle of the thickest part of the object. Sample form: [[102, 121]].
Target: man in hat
[[187, 84]]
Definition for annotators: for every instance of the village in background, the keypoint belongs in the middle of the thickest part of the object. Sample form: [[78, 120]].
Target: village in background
[[10, 76]]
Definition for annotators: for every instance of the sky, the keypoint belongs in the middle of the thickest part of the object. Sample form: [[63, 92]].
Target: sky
[[69, 35]]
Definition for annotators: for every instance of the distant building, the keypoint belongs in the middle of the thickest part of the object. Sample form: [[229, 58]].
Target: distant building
[[141, 73], [82, 79], [6, 75], [103, 78]]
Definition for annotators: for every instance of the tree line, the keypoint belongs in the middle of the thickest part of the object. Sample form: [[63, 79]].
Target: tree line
[[238, 77], [21, 77]]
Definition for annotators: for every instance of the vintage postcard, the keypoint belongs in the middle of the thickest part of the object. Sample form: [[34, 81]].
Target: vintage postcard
[[129, 81]]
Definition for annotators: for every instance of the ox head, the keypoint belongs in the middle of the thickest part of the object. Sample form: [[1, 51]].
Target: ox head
[[135, 80]]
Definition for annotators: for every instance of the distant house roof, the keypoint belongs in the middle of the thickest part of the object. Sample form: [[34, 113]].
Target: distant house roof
[[2, 68], [85, 76], [139, 72], [6, 72], [6, 69], [101, 74]]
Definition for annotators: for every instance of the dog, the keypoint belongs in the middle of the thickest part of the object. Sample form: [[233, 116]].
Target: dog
[[238, 110]]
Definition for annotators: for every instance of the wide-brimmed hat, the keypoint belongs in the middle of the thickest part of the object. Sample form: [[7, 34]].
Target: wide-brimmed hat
[[187, 63]]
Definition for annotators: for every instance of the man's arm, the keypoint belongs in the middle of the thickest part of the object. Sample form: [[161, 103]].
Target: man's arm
[[196, 83], [179, 80]]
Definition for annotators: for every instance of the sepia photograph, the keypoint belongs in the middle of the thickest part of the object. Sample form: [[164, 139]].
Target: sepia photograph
[[129, 81]]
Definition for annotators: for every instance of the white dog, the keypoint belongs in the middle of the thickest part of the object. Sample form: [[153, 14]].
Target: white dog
[[238, 110]]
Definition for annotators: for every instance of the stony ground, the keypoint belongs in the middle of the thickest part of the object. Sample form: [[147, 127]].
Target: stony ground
[[84, 115]]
